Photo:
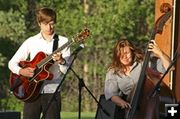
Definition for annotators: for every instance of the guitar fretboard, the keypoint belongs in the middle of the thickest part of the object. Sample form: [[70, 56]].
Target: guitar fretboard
[[49, 57]]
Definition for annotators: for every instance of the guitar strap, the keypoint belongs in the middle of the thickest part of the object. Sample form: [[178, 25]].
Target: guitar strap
[[55, 43]]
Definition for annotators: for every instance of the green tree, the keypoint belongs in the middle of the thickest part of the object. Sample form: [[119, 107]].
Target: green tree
[[107, 21]]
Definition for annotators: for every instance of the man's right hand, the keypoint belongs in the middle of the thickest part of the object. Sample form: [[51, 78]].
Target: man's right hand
[[27, 72]]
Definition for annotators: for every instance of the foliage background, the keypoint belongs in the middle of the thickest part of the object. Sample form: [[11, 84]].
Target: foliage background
[[107, 20]]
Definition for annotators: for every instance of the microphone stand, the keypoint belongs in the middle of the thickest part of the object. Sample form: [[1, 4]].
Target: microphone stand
[[57, 89], [81, 85]]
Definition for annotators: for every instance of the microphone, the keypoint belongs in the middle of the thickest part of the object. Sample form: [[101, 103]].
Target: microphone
[[75, 52]]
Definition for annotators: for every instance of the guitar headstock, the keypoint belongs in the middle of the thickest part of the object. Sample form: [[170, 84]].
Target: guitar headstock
[[81, 36]]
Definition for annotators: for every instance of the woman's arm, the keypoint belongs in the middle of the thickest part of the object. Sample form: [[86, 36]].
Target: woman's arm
[[160, 54], [120, 102]]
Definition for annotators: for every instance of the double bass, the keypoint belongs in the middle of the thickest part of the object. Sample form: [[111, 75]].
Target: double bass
[[144, 106]]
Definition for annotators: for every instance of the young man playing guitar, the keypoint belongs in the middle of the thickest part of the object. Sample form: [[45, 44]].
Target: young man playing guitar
[[42, 42]]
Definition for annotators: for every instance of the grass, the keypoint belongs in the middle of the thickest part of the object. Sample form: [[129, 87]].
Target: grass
[[74, 115]]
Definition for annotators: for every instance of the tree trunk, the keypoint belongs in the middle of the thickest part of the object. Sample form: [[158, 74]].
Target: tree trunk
[[30, 17]]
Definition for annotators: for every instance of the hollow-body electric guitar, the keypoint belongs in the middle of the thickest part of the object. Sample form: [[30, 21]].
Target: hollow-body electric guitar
[[28, 89]]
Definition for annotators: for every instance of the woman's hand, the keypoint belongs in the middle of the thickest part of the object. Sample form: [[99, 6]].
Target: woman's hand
[[160, 54], [124, 104], [153, 47], [120, 102]]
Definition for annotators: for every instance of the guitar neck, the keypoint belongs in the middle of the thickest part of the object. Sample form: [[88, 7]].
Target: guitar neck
[[49, 57], [79, 38]]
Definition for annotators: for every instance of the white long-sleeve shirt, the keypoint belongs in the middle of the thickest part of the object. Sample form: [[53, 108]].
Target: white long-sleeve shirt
[[34, 45]]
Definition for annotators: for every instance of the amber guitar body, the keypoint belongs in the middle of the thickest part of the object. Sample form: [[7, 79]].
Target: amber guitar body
[[28, 89]]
